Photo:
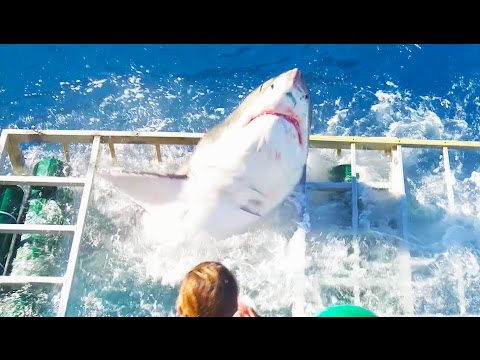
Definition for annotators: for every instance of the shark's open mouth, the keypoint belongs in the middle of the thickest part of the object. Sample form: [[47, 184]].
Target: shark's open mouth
[[291, 119]]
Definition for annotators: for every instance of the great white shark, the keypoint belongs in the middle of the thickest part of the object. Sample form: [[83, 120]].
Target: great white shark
[[241, 169]]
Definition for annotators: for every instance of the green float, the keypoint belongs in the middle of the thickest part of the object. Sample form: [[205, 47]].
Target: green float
[[36, 254], [11, 198], [346, 311]]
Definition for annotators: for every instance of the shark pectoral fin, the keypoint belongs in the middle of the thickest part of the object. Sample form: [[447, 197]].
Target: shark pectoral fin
[[146, 189]]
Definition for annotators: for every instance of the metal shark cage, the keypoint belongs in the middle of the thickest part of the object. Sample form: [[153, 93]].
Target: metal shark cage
[[11, 141]]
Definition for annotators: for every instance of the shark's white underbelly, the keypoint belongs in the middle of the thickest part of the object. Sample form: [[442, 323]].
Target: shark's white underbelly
[[242, 185]]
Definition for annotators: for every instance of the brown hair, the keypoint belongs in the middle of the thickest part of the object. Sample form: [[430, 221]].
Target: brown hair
[[208, 290]]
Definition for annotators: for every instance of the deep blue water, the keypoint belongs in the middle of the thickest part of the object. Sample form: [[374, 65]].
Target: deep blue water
[[333, 71]]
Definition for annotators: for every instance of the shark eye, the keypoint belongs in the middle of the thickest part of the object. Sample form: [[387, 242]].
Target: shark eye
[[306, 97], [271, 86]]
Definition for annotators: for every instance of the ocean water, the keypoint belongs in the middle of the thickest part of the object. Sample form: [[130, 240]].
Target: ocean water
[[414, 90]]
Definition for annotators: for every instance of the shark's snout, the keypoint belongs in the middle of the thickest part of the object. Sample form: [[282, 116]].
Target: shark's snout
[[299, 80], [296, 80], [293, 74]]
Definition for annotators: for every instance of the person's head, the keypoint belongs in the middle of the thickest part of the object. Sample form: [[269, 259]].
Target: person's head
[[208, 290]]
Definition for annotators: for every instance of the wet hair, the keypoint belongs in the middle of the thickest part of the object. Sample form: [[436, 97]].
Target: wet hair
[[208, 290]]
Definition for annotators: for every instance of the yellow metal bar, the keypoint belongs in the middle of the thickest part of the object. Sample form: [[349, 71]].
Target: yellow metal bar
[[66, 152], [183, 138], [114, 137], [159, 154], [15, 156], [385, 143], [41, 180], [81, 219], [112, 150]]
